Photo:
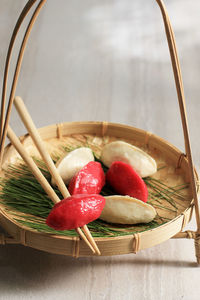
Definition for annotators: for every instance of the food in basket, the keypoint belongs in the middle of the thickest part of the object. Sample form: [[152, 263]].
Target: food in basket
[[127, 210], [141, 162], [85, 206], [89, 180], [70, 164], [75, 211], [125, 181]]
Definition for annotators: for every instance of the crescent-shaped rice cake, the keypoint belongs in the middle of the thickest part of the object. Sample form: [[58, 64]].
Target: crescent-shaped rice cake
[[73, 162], [127, 210], [141, 162]]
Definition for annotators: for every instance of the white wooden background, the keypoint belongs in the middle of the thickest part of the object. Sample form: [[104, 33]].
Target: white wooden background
[[106, 60]]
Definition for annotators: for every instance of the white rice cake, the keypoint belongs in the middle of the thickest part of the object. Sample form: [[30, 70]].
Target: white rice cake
[[140, 161], [127, 210], [72, 162]]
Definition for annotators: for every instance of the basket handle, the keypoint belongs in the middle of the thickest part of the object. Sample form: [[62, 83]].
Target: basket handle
[[176, 71], [181, 99], [4, 123]]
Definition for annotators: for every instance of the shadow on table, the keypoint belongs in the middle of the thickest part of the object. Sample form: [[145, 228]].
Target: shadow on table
[[23, 268]]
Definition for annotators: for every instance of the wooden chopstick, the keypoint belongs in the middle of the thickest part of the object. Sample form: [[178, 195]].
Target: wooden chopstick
[[33, 132], [39, 176], [29, 124]]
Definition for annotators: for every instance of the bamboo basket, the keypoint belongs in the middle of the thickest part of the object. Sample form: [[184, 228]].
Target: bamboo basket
[[179, 165]]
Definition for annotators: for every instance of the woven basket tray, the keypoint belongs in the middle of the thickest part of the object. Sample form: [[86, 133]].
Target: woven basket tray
[[178, 166], [96, 135]]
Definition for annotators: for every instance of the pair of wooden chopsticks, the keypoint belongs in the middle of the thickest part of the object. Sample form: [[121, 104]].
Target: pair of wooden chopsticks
[[28, 122]]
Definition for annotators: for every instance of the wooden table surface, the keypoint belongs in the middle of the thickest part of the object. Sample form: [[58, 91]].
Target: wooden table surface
[[106, 60]]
